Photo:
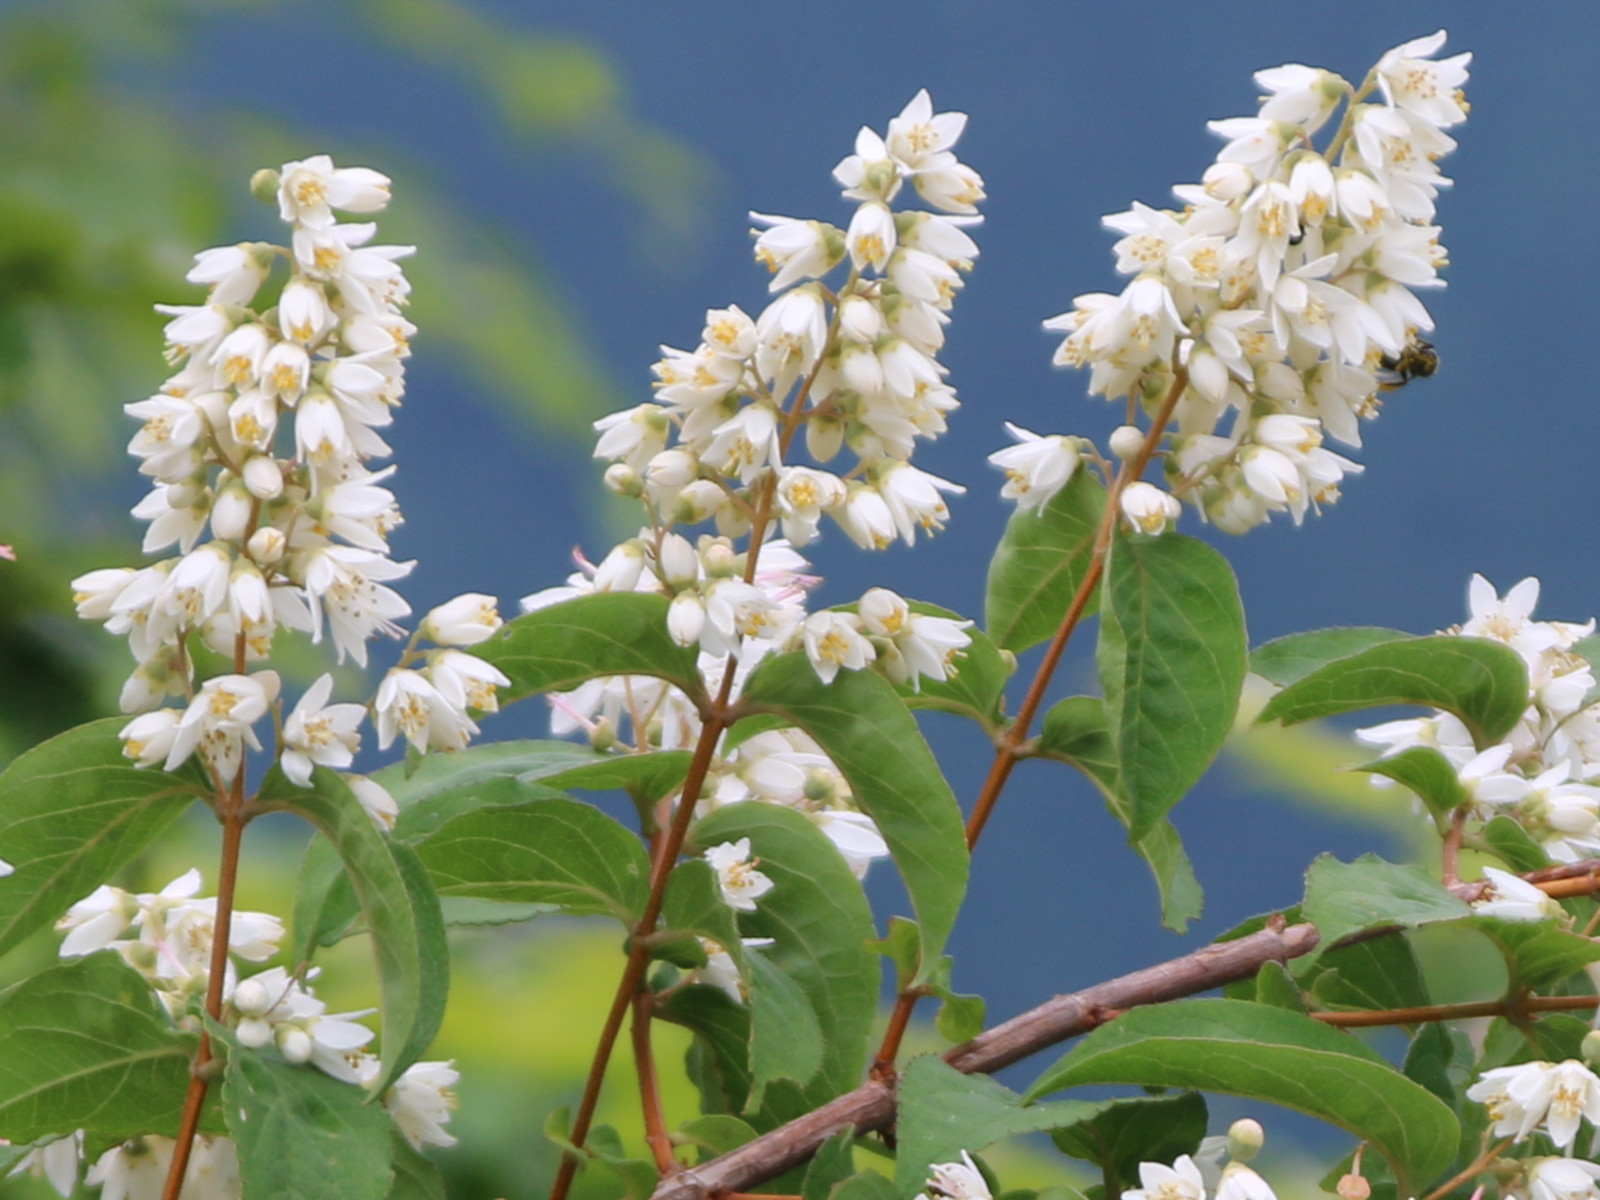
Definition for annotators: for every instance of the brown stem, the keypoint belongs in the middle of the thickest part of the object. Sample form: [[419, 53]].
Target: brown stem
[[1474, 1167], [871, 1106], [227, 880], [1450, 851], [1451, 1012], [655, 1124], [1009, 749]]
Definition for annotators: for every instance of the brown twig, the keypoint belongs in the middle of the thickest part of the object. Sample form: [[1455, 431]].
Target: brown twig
[[1452, 1012], [871, 1106], [655, 1124], [1558, 882], [1472, 1168], [1009, 749]]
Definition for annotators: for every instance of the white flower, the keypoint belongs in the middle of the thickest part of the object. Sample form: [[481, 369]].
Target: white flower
[[1521, 1097], [218, 721], [232, 272], [1558, 1179], [465, 680], [1239, 1182], [96, 921], [311, 188], [742, 885], [320, 734], [855, 835], [407, 703], [834, 640], [132, 1170], [148, 738], [871, 236], [1180, 1181], [1148, 508], [1036, 468], [1412, 81], [1514, 899], [793, 249], [918, 137], [55, 1161], [421, 1102], [375, 799], [956, 1181]]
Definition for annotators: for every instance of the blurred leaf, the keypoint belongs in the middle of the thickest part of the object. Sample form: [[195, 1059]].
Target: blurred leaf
[[1268, 1053], [300, 1132], [1125, 1133], [1482, 682], [716, 1134], [1537, 953], [1512, 843], [557, 852], [1289, 659], [73, 811], [1041, 561], [833, 1163], [1172, 661], [864, 727], [86, 1045], [609, 633], [400, 906]]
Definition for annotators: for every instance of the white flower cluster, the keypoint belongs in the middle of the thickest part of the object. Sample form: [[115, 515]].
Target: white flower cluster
[[1544, 773], [167, 936], [1524, 1097], [263, 436], [1284, 289]]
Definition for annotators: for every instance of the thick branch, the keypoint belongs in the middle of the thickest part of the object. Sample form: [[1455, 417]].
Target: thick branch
[[871, 1106]]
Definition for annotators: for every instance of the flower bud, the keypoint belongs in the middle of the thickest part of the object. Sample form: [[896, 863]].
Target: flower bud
[[264, 186], [686, 617], [251, 998], [187, 494], [824, 437], [1245, 1137], [671, 469], [677, 563], [623, 480], [253, 1033], [266, 545], [732, 521], [1353, 1187], [1126, 441], [701, 499], [230, 512], [620, 570], [263, 478], [1227, 180], [603, 736], [719, 558], [1589, 1048], [294, 1043], [465, 621]]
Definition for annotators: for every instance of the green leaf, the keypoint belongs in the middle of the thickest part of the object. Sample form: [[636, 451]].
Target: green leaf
[[1537, 953], [1515, 848], [864, 1185], [1482, 682], [558, 852], [1271, 1054], [1172, 656], [821, 925], [1075, 732], [1125, 1133], [976, 687], [833, 1163], [1428, 1061], [960, 1018], [943, 1112], [415, 1178], [1290, 659], [1276, 986], [864, 727], [1042, 560], [74, 811], [785, 1038], [301, 1133], [86, 1045], [1370, 893], [610, 633], [719, 1060], [1427, 773], [400, 906], [716, 1134], [1375, 974]]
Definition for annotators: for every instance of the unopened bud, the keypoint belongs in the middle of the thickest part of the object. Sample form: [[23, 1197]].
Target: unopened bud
[[603, 736], [1353, 1187], [671, 469], [732, 521], [263, 478], [686, 617], [266, 545], [264, 185], [251, 998], [676, 562], [1589, 1048], [824, 437], [294, 1043], [701, 499], [253, 1033], [1245, 1137], [230, 512], [719, 558], [1126, 441], [623, 480]]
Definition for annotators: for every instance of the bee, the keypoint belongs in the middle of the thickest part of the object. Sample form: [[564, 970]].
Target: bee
[[1417, 360]]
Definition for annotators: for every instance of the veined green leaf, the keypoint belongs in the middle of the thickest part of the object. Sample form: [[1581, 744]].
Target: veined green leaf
[[73, 811], [1125, 1133], [1172, 656], [86, 1045], [1369, 893], [1289, 659], [1268, 1053], [1482, 682], [610, 633], [1427, 773], [400, 906], [865, 728], [1041, 561], [976, 687]]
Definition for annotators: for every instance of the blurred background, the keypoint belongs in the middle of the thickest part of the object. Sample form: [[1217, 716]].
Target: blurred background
[[576, 174]]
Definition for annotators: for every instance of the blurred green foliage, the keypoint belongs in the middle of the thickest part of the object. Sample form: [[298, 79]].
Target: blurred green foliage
[[111, 179]]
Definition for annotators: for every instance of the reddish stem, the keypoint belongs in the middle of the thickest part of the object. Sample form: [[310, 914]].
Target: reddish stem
[[655, 1124]]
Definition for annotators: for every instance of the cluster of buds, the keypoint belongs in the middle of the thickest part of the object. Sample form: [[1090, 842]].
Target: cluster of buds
[[262, 438], [167, 936], [1544, 773], [1279, 301], [853, 367]]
